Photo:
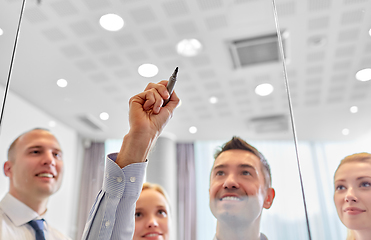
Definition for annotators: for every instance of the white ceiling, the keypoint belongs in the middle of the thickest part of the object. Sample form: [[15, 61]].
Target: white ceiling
[[62, 39]]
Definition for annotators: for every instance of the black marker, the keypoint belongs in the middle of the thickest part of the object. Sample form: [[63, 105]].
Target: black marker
[[170, 85]]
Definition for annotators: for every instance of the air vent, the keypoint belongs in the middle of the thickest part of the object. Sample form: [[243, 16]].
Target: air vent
[[92, 122], [269, 124], [257, 50]]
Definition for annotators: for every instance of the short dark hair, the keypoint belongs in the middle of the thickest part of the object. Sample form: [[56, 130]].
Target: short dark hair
[[12, 145], [238, 143]]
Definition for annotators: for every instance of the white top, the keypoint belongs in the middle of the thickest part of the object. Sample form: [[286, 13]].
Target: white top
[[14, 216]]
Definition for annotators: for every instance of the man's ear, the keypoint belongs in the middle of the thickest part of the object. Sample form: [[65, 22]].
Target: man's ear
[[269, 198], [8, 168]]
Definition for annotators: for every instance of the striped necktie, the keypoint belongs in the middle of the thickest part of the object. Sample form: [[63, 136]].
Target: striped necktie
[[38, 226]]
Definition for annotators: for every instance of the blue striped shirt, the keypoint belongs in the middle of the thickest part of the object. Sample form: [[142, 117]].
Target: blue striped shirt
[[112, 215]]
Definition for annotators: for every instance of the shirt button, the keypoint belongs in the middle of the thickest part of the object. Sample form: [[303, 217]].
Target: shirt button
[[132, 179], [119, 179], [107, 223]]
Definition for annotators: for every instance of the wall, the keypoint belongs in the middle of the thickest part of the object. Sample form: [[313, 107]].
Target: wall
[[21, 116]]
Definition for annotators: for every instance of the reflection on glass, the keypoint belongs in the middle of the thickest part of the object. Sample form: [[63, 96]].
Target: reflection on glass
[[329, 44], [63, 40]]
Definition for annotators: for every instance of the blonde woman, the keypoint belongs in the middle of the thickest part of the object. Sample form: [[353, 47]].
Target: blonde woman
[[352, 195], [152, 220]]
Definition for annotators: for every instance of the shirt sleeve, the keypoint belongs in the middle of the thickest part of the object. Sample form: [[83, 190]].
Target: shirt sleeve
[[112, 215]]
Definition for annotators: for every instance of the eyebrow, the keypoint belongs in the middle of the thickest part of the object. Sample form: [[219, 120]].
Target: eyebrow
[[38, 147], [239, 166], [358, 178]]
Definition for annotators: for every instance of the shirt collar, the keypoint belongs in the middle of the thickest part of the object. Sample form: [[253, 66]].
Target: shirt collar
[[18, 212]]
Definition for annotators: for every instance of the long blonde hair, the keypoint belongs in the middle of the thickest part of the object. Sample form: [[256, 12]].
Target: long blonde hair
[[357, 157]]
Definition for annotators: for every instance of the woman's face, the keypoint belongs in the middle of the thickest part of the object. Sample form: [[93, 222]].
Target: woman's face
[[353, 195], [151, 216]]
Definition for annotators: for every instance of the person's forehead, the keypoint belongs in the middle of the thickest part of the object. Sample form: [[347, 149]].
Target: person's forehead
[[237, 157], [38, 138], [352, 170], [151, 197]]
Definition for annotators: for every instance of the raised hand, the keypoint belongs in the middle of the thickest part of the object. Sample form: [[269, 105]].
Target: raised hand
[[147, 119]]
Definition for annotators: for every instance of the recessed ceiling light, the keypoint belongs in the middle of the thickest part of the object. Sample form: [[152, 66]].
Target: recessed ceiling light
[[345, 131], [213, 100], [353, 109], [364, 75], [52, 124], [62, 83], [264, 89], [1, 32], [193, 129], [189, 47], [104, 116], [111, 22], [369, 32], [148, 70]]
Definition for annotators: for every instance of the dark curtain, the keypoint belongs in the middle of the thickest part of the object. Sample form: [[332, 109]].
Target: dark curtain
[[186, 192]]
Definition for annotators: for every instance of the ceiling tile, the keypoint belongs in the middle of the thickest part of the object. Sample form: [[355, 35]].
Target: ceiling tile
[[97, 45], [143, 15], [111, 60], [86, 65], [210, 4], [340, 78], [314, 70], [155, 34], [64, 8], [354, 1], [342, 65], [216, 22], [318, 5], [35, 15], [72, 51], [97, 4], [82, 28], [349, 35], [185, 28], [316, 56], [200, 61], [345, 51], [54, 35], [286, 8], [99, 77], [175, 8], [126, 40], [165, 50], [352, 17], [207, 73], [122, 74], [137, 55], [318, 23]]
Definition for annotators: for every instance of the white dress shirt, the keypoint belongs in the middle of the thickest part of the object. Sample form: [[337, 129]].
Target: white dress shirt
[[14, 216], [262, 237], [113, 213]]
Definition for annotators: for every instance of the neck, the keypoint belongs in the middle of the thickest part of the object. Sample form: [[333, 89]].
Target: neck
[[362, 234], [231, 230], [36, 204]]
